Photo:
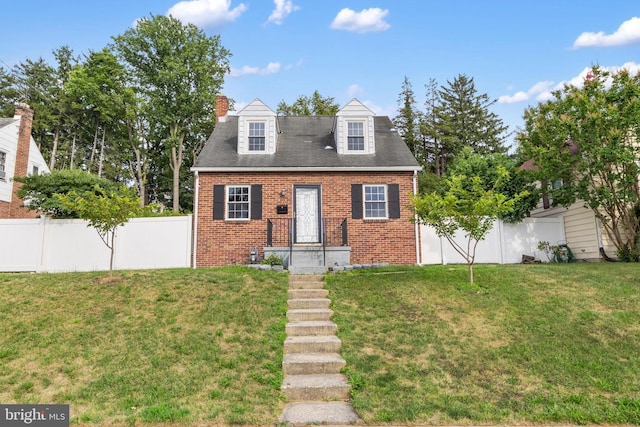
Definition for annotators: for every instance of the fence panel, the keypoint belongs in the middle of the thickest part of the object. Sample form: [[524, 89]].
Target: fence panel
[[504, 244]]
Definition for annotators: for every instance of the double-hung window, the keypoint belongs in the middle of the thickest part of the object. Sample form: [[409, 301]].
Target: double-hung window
[[256, 136], [3, 163], [375, 201], [238, 202], [355, 136]]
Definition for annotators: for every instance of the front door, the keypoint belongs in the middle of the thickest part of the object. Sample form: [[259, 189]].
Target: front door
[[307, 214]]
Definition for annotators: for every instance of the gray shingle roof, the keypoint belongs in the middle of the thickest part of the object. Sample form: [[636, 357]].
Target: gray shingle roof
[[4, 121], [301, 146]]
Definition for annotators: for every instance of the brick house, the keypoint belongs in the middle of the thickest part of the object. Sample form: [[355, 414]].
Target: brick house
[[19, 156], [318, 191]]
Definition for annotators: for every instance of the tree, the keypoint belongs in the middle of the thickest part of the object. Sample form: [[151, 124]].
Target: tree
[[39, 191], [314, 105], [463, 119], [488, 167], [587, 137], [105, 210], [464, 204], [177, 70], [408, 121]]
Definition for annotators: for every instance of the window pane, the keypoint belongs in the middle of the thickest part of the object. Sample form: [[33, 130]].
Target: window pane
[[238, 202], [355, 136], [256, 136], [375, 201]]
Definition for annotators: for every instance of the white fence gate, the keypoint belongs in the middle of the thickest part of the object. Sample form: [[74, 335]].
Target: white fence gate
[[504, 244], [58, 245]]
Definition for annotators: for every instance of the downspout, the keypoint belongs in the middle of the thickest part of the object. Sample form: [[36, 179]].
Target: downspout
[[600, 245], [195, 219], [415, 218]]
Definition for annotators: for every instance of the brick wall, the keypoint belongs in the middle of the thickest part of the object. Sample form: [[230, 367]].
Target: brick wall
[[222, 242], [16, 208]]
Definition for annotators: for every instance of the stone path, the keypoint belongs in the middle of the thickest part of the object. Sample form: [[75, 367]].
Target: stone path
[[316, 390]]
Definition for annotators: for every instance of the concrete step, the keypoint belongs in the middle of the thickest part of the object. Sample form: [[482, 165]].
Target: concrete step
[[305, 285], [299, 414], [309, 314], [312, 344], [302, 303], [315, 327], [307, 293], [315, 387], [312, 363]]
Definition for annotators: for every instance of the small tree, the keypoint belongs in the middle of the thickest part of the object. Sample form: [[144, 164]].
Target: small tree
[[105, 210], [465, 204]]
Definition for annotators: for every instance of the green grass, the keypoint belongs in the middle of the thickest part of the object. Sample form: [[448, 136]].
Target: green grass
[[168, 346], [545, 343]]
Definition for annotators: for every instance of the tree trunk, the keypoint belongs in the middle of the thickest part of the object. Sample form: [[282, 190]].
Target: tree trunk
[[139, 172], [93, 149], [470, 274], [176, 163], [101, 158], [54, 150], [73, 151], [113, 249]]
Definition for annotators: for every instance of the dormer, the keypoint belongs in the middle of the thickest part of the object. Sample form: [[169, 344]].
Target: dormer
[[354, 129], [257, 129]]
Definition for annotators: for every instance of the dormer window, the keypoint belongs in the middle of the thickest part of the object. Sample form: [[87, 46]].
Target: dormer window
[[257, 136], [355, 136]]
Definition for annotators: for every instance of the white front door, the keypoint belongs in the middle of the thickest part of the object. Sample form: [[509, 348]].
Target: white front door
[[307, 214]]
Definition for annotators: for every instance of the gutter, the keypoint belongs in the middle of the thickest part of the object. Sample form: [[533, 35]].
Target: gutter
[[194, 249], [416, 225], [309, 169]]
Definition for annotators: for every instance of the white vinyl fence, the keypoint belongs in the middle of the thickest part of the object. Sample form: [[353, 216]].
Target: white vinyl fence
[[59, 245], [504, 244]]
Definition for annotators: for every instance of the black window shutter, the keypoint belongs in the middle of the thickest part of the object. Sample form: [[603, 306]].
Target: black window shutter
[[356, 201], [256, 202], [218, 202], [393, 191]]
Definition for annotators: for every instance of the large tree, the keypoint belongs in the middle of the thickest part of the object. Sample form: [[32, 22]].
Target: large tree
[[408, 121], [464, 119], [314, 105], [588, 137], [178, 70]]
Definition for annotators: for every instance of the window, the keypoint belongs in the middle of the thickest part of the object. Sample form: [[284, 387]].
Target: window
[[355, 136], [256, 136], [35, 170], [238, 202], [375, 201], [3, 161]]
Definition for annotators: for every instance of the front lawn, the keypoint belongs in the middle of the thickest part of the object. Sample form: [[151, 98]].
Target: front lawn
[[179, 346], [552, 343]]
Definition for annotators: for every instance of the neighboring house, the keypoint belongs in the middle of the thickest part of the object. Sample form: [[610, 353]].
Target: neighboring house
[[319, 191], [584, 234], [19, 156]]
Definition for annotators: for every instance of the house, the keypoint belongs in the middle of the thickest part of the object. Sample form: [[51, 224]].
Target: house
[[318, 191], [584, 233], [19, 156]]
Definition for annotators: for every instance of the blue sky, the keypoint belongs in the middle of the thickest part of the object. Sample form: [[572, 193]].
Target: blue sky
[[516, 51]]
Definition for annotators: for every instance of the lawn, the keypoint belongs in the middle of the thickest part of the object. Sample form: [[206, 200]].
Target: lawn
[[551, 343], [168, 346]]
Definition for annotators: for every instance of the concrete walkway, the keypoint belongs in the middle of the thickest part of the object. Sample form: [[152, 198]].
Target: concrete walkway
[[316, 390]]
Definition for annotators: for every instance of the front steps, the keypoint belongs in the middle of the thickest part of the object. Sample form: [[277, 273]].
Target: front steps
[[317, 391]]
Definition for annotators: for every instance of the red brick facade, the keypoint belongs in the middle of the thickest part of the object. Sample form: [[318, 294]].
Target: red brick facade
[[224, 242]]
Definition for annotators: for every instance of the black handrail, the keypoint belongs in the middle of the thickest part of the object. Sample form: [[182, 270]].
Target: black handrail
[[280, 232]]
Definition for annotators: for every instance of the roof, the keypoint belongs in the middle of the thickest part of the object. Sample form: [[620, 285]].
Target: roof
[[302, 146], [7, 121]]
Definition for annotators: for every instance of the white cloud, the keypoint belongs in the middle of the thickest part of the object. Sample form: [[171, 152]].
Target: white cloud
[[541, 91], [205, 13], [521, 96], [628, 33], [365, 21], [283, 9], [354, 90], [271, 68]]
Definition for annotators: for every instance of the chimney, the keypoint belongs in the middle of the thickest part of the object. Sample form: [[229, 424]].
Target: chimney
[[222, 107], [16, 210]]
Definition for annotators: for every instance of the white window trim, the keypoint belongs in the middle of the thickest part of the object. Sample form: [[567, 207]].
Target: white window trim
[[364, 202], [226, 202], [364, 136], [266, 143]]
